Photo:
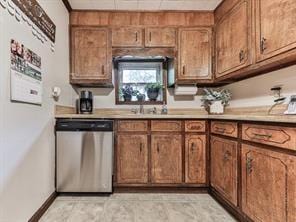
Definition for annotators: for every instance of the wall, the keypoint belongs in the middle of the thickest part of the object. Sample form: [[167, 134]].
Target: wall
[[251, 92], [256, 91], [26, 131]]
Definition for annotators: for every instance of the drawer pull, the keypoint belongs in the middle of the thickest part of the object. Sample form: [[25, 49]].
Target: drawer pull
[[263, 45], [242, 56], [220, 130], [226, 156], [249, 165], [261, 136], [136, 36], [157, 148]]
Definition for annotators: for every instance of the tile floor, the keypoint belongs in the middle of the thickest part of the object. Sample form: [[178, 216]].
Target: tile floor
[[137, 208]]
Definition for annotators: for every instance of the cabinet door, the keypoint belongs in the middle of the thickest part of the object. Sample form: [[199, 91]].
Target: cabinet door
[[166, 159], [195, 159], [127, 37], [232, 40], [224, 168], [268, 185], [275, 27], [195, 54], [90, 55], [132, 159], [160, 37]]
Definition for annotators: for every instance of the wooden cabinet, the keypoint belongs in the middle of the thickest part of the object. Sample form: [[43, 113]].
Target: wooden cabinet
[[268, 185], [275, 27], [195, 159], [284, 137], [127, 37], [91, 57], [233, 39], [224, 128], [132, 125], [160, 37], [224, 168], [166, 125], [195, 54], [132, 159], [166, 158]]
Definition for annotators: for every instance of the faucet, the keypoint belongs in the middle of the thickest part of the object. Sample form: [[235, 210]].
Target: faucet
[[141, 110]]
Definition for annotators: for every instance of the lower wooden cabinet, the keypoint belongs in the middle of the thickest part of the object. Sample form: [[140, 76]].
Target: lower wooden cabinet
[[166, 159], [268, 185], [195, 159], [224, 168], [132, 159]]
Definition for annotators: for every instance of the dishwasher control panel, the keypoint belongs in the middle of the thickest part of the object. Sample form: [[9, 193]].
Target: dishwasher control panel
[[84, 125]]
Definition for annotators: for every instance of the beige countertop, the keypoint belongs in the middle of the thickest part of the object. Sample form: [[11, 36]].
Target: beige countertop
[[243, 114]]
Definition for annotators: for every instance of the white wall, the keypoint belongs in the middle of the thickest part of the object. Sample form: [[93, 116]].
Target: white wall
[[256, 91], [250, 92], [27, 131]]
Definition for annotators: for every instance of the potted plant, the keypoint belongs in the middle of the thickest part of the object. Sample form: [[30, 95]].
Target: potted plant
[[127, 92], [214, 101], [152, 90]]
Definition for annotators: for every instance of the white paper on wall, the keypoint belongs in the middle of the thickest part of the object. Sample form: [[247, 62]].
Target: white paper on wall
[[26, 75]]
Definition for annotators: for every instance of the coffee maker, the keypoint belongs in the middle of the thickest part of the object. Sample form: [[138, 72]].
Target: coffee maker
[[86, 102]]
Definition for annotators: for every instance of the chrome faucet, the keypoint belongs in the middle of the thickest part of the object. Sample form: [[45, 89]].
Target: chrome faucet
[[141, 110]]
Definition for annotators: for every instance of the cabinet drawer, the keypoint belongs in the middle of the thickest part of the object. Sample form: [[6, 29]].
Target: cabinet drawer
[[283, 137], [169, 126], [195, 126], [224, 128], [133, 125]]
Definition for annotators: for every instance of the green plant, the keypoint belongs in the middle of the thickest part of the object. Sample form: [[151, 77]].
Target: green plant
[[128, 90], [215, 95], [153, 86]]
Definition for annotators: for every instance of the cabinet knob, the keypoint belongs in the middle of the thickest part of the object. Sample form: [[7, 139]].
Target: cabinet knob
[[184, 70], [103, 69], [150, 37], [249, 165], [226, 156], [192, 147], [242, 56], [263, 46], [136, 36], [157, 148], [141, 147]]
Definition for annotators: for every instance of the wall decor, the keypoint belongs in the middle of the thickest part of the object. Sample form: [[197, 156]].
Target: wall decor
[[26, 75], [37, 15]]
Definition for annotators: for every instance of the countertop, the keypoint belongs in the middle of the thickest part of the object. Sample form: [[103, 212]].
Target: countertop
[[259, 114]]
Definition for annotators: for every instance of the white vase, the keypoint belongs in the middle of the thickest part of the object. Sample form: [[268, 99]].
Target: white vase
[[217, 107]]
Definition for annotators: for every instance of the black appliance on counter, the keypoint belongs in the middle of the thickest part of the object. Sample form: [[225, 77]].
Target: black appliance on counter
[[86, 102]]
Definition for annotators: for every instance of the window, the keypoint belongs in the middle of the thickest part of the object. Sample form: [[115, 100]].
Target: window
[[140, 82]]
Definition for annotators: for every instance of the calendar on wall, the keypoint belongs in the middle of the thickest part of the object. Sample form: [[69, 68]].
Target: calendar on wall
[[26, 75]]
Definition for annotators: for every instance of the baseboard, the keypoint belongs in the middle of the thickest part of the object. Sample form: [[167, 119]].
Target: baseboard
[[39, 213], [161, 190], [236, 213]]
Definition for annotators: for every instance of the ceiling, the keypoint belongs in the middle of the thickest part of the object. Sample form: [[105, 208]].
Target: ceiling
[[145, 4]]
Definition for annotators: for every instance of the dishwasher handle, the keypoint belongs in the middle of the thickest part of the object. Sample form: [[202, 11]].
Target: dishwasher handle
[[84, 125]]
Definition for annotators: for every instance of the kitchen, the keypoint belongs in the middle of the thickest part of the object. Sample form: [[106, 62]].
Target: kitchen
[[141, 110]]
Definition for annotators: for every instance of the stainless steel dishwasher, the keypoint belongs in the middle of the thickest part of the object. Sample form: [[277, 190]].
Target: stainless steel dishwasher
[[84, 155]]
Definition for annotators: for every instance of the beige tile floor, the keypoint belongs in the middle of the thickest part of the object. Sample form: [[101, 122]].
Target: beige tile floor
[[137, 208]]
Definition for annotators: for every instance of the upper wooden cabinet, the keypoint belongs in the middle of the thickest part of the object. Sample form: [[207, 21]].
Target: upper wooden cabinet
[[166, 158], [275, 27], [132, 159], [195, 159], [268, 185], [195, 54], [91, 56], [160, 37], [224, 168], [233, 39], [127, 37]]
